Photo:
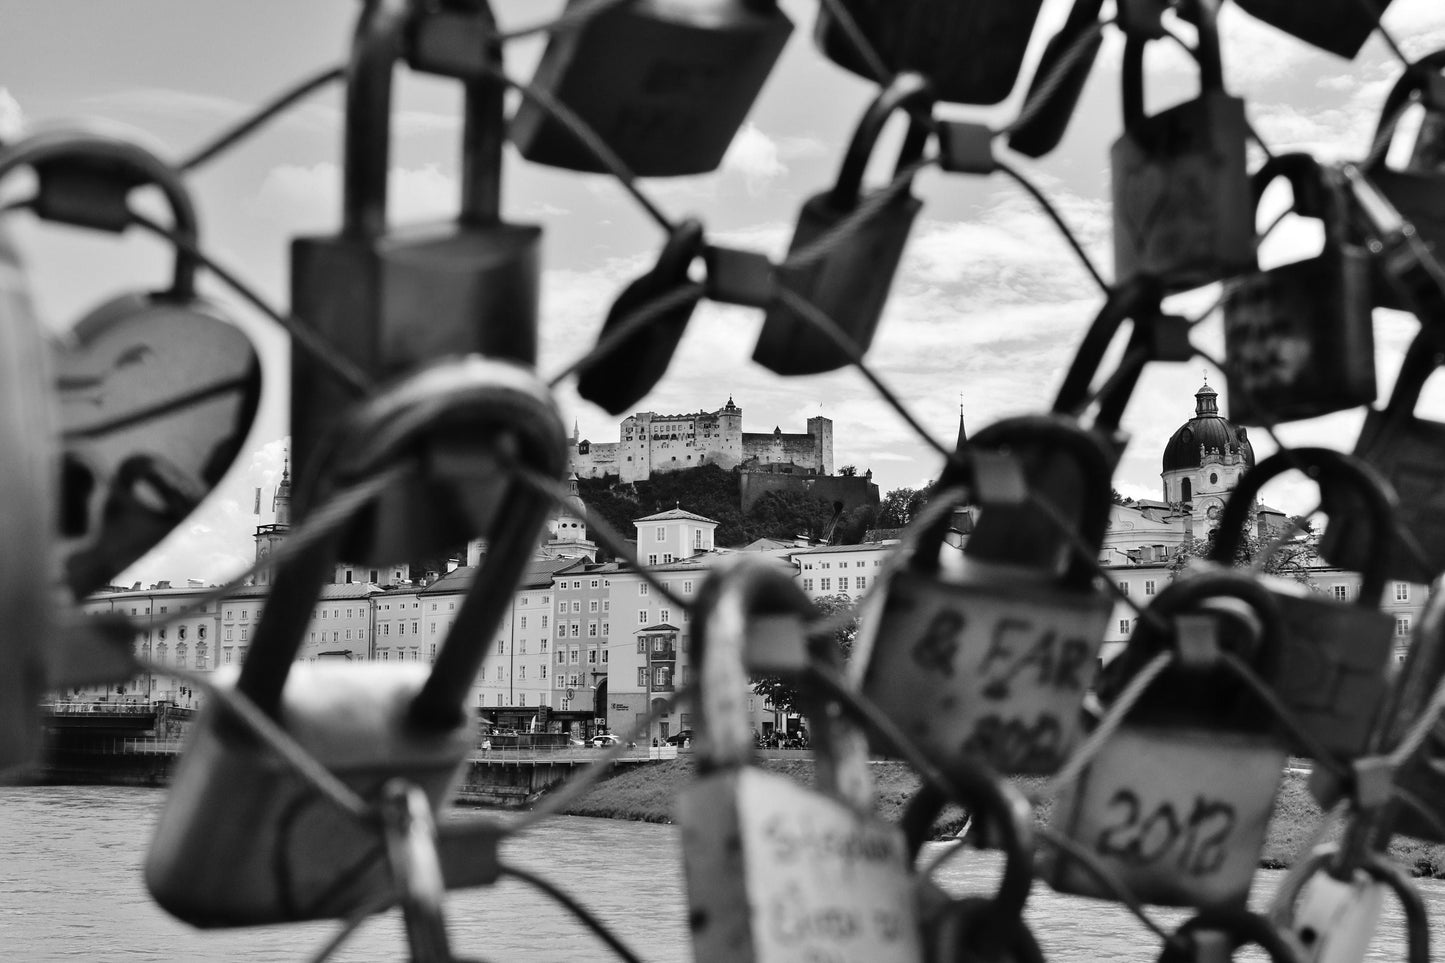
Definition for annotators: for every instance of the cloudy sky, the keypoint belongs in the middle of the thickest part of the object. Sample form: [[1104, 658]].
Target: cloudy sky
[[987, 309]]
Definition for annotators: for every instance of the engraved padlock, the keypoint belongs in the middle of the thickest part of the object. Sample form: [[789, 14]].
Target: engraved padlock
[[986, 657], [850, 282], [1175, 803], [1333, 657], [1339, 26], [970, 52], [156, 389], [665, 83], [1182, 206], [1417, 191], [244, 839], [776, 871], [388, 300], [28, 475], [1334, 909], [1409, 452], [1038, 135], [973, 927], [622, 377], [1299, 339]]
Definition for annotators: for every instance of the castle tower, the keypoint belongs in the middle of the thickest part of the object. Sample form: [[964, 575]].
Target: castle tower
[[1203, 462], [269, 537], [822, 431]]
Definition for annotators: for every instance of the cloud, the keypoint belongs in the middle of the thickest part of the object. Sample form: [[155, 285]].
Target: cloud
[[309, 197], [755, 157]]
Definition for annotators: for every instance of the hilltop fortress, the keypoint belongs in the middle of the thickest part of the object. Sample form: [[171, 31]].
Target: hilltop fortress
[[651, 443]]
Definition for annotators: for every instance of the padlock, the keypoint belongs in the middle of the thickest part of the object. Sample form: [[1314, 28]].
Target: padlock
[[1182, 205], [1339, 26], [970, 52], [1176, 802], [243, 838], [1333, 657], [850, 282], [388, 300], [1416, 191], [1333, 910], [775, 871], [157, 390], [624, 376], [665, 83], [1299, 339], [1215, 935], [1410, 453], [972, 928], [1039, 135], [28, 476], [982, 658]]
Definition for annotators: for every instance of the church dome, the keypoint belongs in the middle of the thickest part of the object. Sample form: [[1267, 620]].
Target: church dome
[[1207, 430]]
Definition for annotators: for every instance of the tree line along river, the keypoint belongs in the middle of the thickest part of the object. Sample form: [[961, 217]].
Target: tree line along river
[[71, 888]]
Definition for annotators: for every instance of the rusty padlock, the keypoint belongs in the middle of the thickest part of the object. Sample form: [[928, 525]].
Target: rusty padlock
[[243, 838], [1415, 191], [970, 52], [987, 659], [389, 300], [850, 282], [1339, 26], [973, 928], [1299, 339], [28, 476], [1182, 206], [1176, 802], [1333, 657], [1409, 452], [777, 872], [665, 83], [157, 389]]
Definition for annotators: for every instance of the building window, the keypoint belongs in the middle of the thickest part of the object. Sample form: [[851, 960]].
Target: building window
[[825, 584], [1402, 627], [642, 588], [561, 656], [576, 630], [521, 672], [577, 606], [641, 678], [861, 582], [544, 621], [1342, 593], [591, 656], [665, 615], [592, 606], [544, 670], [661, 533], [642, 616], [594, 583], [807, 585], [686, 588], [1124, 588], [592, 630], [1402, 591], [524, 621], [1124, 626], [604, 628], [1149, 586]]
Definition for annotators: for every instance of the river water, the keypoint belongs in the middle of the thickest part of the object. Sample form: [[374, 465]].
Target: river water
[[71, 889]]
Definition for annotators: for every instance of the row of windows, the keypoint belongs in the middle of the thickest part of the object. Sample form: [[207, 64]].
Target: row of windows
[[577, 584], [860, 582], [592, 606], [575, 630]]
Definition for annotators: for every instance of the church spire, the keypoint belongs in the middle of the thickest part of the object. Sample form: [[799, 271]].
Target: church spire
[[962, 431], [1206, 400]]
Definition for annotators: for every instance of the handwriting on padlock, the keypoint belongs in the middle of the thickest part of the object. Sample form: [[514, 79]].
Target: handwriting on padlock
[[794, 919], [1195, 844], [1015, 646], [795, 837]]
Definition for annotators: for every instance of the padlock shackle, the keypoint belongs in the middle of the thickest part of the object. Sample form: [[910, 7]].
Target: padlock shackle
[[1242, 927], [379, 42], [124, 159], [1062, 436], [1411, 82], [1136, 298], [908, 90], [1425, 355], [1002, 807], [1206, 53], [1331, 470], [1306, 179], [738, 588]]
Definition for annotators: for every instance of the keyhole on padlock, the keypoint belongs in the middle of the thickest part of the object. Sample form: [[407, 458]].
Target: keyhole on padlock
[[1308, 935]]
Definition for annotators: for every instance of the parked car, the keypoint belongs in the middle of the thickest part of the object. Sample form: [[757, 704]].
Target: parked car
[[683, 736], [604, 739]]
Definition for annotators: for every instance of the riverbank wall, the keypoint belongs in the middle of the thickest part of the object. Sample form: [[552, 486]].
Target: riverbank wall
[[648, 793]]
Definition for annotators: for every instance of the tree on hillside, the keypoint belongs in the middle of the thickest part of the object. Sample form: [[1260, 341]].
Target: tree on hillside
[[899, 506], [848, 471], [1119, 499], [1292, 558], [783, 693]]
